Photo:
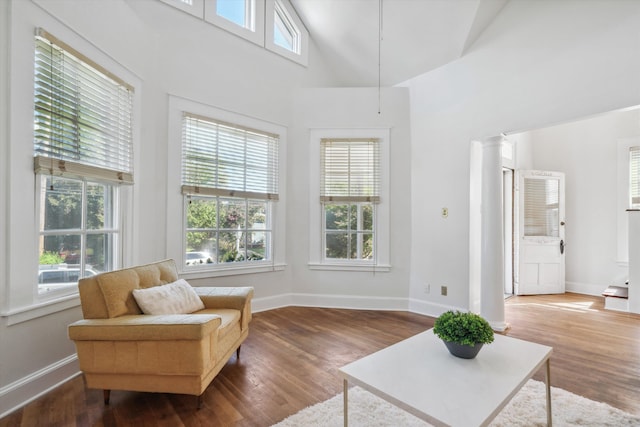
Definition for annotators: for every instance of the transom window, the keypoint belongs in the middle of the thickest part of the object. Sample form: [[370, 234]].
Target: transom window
[[285, 33], [83, 151], [240, 12], [229, 182], [272, 24]]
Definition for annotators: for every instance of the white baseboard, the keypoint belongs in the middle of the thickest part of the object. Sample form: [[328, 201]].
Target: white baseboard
[[429, 308], [330, 301], [17, 394], [585, 288], [270, 303], [351, 302]]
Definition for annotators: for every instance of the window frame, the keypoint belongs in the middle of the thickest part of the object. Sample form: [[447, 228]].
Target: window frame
[[301, 55], [254, 34], [83, 231], [634, 184], [623, 198], [359, 232], [21, 302], [268, 260], [176, 214], [263, 21], [63, 157], [317, 258], [196, 8]]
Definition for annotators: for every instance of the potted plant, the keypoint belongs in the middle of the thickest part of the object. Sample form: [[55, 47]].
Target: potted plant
[[463, 333]]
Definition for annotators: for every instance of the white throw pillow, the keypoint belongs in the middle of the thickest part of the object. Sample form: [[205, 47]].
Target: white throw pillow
[[173, 298]]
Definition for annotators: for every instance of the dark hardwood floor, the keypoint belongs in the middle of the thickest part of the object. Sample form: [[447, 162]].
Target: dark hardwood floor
[[292, 355]]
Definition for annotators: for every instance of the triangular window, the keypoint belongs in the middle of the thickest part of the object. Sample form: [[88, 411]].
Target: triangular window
[[285, 32]]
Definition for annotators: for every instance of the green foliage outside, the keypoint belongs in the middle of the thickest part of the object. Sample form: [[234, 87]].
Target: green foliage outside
[[63, 211], [50, 258], [346, 225], [218, 226], [463, 328]]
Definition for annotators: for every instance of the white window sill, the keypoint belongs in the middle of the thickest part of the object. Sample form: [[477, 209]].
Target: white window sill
[[204, 272], [24, 314], [350, 267]]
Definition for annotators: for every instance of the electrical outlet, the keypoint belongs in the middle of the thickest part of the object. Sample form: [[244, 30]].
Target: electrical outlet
[[427, 288], [445, 212], [443, 291]]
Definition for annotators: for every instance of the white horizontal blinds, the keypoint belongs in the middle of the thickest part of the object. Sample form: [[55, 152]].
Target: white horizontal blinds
[[541, 207], [634, 176], [83, 113], [350, 170], [223, 159]]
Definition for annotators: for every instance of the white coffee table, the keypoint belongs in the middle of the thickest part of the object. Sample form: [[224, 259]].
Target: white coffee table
[[420, 376]]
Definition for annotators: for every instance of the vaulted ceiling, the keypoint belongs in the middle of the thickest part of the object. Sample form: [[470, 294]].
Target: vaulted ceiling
[[417, 36]]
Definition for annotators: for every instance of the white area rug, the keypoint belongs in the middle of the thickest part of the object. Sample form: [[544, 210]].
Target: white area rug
[[526, 409]]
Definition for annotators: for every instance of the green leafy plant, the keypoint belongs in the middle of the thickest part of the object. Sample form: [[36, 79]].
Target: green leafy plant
[[50, 257], [463, 328]]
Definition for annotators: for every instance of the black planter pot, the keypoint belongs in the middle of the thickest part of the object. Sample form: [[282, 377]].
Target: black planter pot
[[463, 351]]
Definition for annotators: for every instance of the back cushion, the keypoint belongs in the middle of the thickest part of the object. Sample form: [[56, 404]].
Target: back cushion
[[117, 288]]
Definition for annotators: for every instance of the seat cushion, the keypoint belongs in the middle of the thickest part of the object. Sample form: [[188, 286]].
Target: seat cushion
[[230, 319]]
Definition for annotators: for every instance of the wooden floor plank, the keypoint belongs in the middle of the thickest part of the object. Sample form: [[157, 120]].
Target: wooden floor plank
[[292, 356]]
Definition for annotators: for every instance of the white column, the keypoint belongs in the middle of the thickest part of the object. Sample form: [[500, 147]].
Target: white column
[[492, 243]]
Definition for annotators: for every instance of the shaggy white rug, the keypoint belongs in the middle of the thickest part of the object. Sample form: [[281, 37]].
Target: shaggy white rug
[[526, 409]]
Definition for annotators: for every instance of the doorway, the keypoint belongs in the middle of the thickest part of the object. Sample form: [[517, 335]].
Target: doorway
[[540, 199]]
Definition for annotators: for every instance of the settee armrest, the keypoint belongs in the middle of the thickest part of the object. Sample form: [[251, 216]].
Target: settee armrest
[[145, 327], [238, 298]]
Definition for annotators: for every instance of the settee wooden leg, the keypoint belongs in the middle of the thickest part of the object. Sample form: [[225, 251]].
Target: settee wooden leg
[[238, 352], [199, 402], [106, 394]]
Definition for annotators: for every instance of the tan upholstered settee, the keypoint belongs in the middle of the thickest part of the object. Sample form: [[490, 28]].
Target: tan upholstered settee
[[120, 348]]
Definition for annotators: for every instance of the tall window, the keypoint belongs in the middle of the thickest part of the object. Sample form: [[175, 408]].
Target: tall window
[[230, 180], [349, 192], [634, 177], [82, 153]]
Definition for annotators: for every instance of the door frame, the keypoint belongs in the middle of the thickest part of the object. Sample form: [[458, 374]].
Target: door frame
[[508, 198], [518, 239]]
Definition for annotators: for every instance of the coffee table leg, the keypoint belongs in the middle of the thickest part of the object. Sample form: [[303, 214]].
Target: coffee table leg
[[548, 386], [346, 403]]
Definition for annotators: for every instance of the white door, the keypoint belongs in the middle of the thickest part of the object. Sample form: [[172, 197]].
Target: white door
[[540, 223]]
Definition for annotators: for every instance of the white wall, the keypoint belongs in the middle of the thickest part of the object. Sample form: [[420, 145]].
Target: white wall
[[587, 152], [540, 63], [350, 108], [167, 52]]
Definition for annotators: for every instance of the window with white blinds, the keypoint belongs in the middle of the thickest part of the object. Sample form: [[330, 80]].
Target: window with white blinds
[[223, 159], [83, 115], [634, 177], [350, 170], [541, 207]]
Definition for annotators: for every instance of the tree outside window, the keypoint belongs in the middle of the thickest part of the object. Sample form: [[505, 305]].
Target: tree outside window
[[77, 231], [222, 230], [349, 231]]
